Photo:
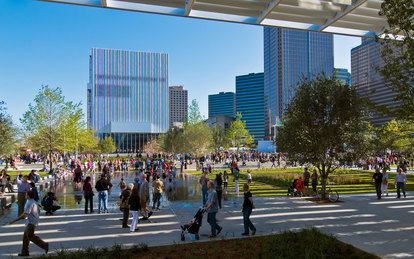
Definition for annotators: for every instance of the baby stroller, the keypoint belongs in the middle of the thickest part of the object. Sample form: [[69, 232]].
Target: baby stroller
[[296, 188], [193, 226]]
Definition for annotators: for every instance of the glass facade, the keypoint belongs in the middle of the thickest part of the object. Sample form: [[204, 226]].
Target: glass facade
[[221, 104], [288, 56], [366, 79], [249, 102], [343, 75], [128, 96]]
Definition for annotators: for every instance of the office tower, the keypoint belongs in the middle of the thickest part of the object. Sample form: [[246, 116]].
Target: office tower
[[128, 96], [221, 104], [288, 55], [178, 105], [249, 102], [365, 58], [343, 75]]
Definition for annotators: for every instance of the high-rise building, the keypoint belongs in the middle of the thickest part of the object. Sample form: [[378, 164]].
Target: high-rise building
[[128, 96], [249, 102], [343, 75], [221, 104], [365, 58], [178, 104], [288, 55]]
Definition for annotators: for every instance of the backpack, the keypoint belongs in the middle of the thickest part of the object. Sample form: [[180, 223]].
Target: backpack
[[47, 201]]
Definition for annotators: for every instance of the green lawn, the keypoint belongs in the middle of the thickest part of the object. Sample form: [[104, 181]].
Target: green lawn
[[274, 182], [13, 174]]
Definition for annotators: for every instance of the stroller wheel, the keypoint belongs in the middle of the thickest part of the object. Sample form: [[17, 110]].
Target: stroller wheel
[[182, 236]]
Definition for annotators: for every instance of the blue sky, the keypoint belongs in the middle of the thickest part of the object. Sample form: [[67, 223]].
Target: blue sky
[[48, 44]]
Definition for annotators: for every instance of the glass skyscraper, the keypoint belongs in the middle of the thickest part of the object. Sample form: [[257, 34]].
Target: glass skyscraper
[[249, 102], [367, 81], [343, 75], [128, 96], [288, 55], [221, 104]]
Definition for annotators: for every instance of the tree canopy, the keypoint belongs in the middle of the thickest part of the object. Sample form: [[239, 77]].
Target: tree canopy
[[325, 125], [7, 132], [237, 134]]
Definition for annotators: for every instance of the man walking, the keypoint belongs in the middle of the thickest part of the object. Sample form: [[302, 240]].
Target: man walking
[[211, 207], [102, 186], [23, 187], [378, 182], [144, 197], [400, 181], [31, 214], [157, 192]]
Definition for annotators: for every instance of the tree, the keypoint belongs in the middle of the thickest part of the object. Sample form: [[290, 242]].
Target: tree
[[397, 136], [44, 120], [172, 141], [398, 54], [196, 136], [218, 137], [324, 125], [7, 132], [237, 134], [152, 147], [107, 145]]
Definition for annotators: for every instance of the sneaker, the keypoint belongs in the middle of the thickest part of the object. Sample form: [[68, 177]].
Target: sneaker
[[253, 232], [245, 234], [220, 229]]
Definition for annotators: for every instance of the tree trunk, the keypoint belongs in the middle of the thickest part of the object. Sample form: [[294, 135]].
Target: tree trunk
[[50, 161], [323, 182]]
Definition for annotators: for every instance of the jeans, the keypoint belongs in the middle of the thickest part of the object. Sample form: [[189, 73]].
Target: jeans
[[211, 219], [246, 219], [400, 185], [103, 198], [204, 193], [156, 200], [134, 223]]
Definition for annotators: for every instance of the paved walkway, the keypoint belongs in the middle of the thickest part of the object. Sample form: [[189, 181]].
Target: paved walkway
[[382, 227]]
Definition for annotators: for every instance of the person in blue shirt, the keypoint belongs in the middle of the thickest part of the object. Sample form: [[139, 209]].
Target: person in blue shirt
[[34, 189]]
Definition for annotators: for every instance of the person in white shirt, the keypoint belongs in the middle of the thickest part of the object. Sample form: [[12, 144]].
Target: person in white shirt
[[400, 181], [385, 179], [31, 214]]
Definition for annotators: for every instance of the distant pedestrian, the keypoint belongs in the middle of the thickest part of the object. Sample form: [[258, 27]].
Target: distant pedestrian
[[225, 179], [23, 187], [249, 177], [203, 181], [31, 214], [400, 181], [144, 197], [211, 207], [88, 194], [378, 182], [218, 182], [385, 179], [122, 185], [102, 186], [34, 189], [248, 207], [306, 177], [236, 179], [314, 178]]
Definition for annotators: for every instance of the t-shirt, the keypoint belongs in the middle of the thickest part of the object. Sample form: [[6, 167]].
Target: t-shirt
[[212, 197], [377, 177], [247, 203], [157, 185], [32, 210]]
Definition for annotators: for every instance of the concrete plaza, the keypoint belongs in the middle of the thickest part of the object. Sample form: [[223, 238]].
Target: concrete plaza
[[383, 227]]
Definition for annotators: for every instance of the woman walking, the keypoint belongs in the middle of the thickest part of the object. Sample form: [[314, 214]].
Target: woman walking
[[219, 189], [134, 206], [88, 194], [225, 179], [385, 178], [248, 206]]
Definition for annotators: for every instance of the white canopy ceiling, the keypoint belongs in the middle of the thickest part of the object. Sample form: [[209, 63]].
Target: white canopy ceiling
[[350, 17]]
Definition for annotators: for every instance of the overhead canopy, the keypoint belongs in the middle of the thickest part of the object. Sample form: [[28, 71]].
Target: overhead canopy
[[350, 17]]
